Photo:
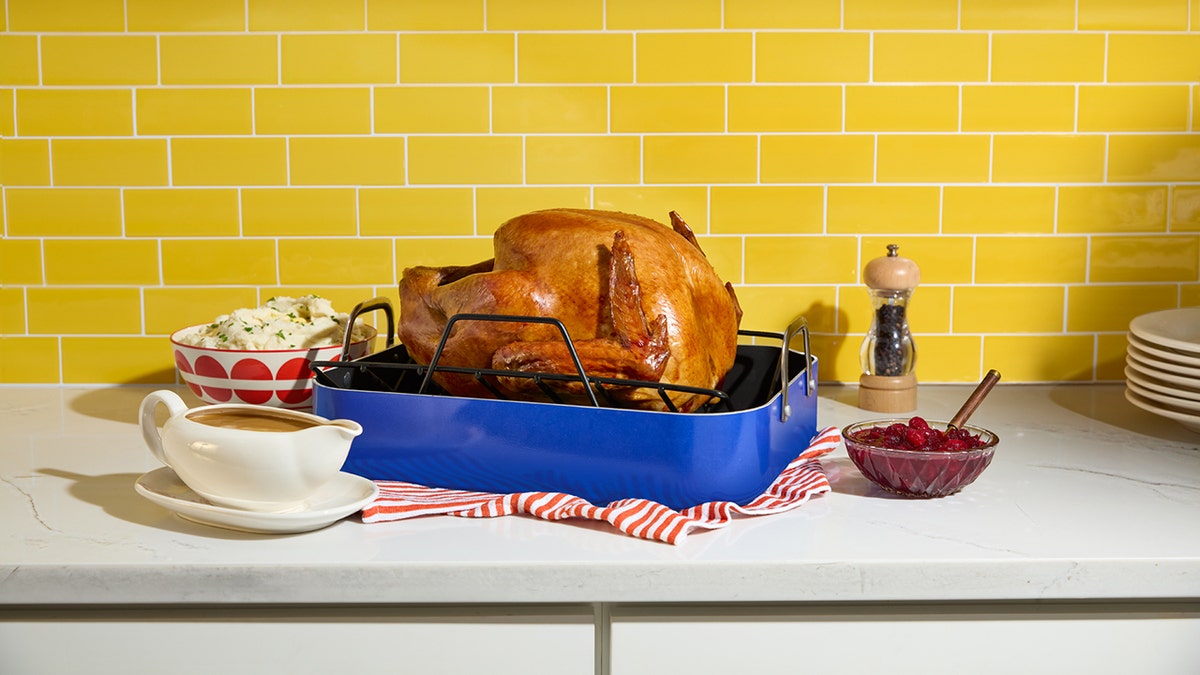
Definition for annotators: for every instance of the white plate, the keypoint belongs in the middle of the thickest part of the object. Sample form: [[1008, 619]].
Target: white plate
[[1173, 328], [339, 498], [1167, 401], [1162, 354], [1191, 422], [1159, 374], [1166, 366], [1161, 387]]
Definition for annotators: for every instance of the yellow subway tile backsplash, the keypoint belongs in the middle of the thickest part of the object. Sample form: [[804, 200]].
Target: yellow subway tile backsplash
[[193, 157], [1110, 307], [817, 158], [101, 261], [1149, 15], [1185, 209], [1145, 258], [998, 209], [63, 212], [976, 309], [656, 202], [351, 160], [550, 109], [306, 15], [187, 111], [1018, 108], [1027, 358], [18, 60], [168, 309], [109, 162], [66, 15], [916, 14], [464, 160], [553, 58], [1153, 57], [456, 57], [1047, 57], [312, 110], [75, 112], [494, 206], [432, 110], [20, 262], [535, 15], [415, 211], [694, 57], [932, 158], [338, 58], [857, 209], [801, 260], [785, 108], [1020, 158], [29, 360], [1154, 157], [1133, 108], [673, 14], [229, 161], [218, 262], [812, 57], [99, 59], [186, 15], [299, 212], [120, 360], [1031, 260], [1007, 15], [582, 159], [651, 109], [901, 108], [24, 162], [347, 260], [1107, 208], [767, 209], [825, 14], [80, 311], [176, 212], [219, 59], [700, 159], [930, 57]]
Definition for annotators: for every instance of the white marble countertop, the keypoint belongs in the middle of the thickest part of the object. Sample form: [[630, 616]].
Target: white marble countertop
[[1088, 497]]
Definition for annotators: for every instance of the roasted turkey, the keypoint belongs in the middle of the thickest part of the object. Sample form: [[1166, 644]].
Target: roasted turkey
[[639, 300]]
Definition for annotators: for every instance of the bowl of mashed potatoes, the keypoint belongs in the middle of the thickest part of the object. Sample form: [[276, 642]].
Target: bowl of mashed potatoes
[[262, 355]]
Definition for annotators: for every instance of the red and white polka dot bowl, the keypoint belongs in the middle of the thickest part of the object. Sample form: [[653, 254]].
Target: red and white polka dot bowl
[[279, 378]]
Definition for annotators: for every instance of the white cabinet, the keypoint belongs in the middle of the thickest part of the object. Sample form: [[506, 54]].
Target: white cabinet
[[501, 641], [1092, 638]]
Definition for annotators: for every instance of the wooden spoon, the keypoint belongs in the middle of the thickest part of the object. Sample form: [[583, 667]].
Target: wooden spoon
[[973, 401]]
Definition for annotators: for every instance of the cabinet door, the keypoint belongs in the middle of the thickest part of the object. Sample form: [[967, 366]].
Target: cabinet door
[[256, 641], [1080, 638]]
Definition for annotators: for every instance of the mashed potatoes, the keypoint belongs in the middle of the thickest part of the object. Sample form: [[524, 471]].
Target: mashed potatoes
[[281, 323]]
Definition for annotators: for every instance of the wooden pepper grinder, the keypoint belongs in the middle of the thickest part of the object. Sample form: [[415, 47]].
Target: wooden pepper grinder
[[888, 355]]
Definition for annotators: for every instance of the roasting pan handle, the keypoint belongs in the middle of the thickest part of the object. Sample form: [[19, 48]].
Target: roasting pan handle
[[798, 325], [370, 306]]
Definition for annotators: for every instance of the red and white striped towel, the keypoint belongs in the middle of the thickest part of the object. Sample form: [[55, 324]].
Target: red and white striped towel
[[800, 481]]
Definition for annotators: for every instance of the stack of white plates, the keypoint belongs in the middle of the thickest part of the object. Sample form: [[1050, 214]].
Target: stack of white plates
[[1162, 365]]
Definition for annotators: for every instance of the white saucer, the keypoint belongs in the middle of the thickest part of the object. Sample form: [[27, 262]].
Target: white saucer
[[1147, 382], [1141, 357], [1162, 353], [1191, 422], [339, 498], [1166, 400], [1172, 328], [1159, 374]]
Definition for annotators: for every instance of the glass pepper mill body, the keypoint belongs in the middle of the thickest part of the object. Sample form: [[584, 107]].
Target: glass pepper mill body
[[888, 354]]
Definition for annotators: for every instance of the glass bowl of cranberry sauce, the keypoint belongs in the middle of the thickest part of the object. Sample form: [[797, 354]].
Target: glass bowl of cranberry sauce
[[918, 458]]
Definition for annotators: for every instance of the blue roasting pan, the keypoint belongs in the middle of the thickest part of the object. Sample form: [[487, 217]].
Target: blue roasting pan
[[601, 454]]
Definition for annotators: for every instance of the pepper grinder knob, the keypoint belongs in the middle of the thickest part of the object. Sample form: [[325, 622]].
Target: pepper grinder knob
[[888, 354]]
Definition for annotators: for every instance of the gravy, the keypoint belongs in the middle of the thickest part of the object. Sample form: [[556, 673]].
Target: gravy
[[251, 420]]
